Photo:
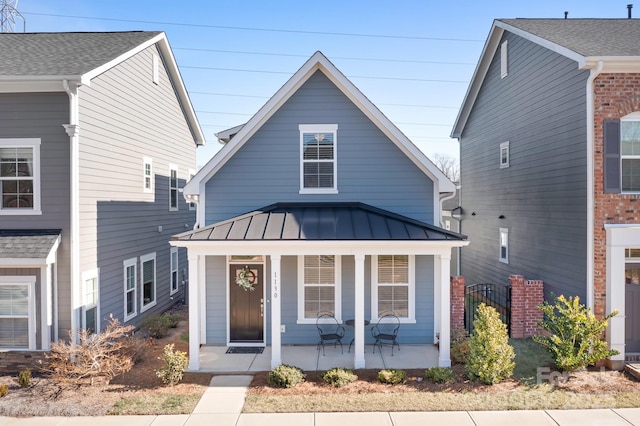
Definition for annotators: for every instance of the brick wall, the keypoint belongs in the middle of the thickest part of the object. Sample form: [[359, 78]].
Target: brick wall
[[615, 95], [12, 362], [457, 302]]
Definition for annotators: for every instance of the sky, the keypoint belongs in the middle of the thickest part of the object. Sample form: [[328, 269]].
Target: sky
[[413, 59]]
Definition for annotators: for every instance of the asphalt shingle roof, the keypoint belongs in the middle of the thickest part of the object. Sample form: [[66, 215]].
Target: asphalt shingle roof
[[587, 37], [317, 222], [42, 54], [27, 244]]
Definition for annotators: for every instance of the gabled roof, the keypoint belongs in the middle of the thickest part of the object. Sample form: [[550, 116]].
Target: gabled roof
[[613, 43], [41, 62], [320, 222], [318, 62]]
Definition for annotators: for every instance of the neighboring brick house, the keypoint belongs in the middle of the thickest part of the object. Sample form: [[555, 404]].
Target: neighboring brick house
[[549, 136]]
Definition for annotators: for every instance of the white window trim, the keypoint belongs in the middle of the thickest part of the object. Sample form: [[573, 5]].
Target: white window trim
[[173, 167], [503, 231], [174, 268], [88, 275], [33, 143], [411, 319], [143, 259], [634, 116], [504, 146], [145, 161], [319, 128], [126, 264], [192, 206], [155, 68], [30, 282], [504, 59], [337, 287]]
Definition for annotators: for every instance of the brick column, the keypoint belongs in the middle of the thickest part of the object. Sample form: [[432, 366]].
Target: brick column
[[457, 302], [525, 298]]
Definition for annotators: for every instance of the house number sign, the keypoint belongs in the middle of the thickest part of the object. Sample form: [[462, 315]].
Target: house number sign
[[275, 285]]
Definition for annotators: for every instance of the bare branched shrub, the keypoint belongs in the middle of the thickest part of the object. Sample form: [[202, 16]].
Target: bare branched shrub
[[95, 355]]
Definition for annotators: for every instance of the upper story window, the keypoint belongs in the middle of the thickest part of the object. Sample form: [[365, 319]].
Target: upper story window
[[318, 163], [147, 170], [504, 245], [319, 287], [173, 187], [630, 153], [19, 176], [504, 59], [504, 155]]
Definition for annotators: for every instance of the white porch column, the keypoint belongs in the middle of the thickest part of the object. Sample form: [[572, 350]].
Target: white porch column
[[45, 307], [358, 326], [616, 300], [276, 345], [436, 301], [194, 310], [444, 358]]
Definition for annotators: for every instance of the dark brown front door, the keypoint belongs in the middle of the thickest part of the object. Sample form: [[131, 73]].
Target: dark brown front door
[[246, 306], [632, 307]]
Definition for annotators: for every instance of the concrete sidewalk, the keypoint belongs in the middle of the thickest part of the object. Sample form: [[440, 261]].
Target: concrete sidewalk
[[222, 403]]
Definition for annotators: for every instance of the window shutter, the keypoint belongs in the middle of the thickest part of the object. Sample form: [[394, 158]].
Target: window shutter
[[611, 129]]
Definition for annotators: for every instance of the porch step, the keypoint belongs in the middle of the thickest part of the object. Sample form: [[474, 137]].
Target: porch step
[[633, 369]]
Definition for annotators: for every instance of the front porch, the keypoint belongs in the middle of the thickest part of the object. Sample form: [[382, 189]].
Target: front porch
[[214, 359]]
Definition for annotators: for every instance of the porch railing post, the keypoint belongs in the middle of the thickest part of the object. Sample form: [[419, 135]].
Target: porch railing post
[[276, 287], [358, 325]]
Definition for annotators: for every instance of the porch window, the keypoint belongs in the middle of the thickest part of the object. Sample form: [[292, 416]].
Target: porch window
[[17, 313], [318, 172], [130, 288], [20, 176], [174, 270], [393, 286], [148, 266], [319, 287]]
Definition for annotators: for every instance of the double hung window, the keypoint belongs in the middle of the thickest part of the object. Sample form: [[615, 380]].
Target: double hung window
[[19, 176], [319, 287], [393, 286], [318, 168]]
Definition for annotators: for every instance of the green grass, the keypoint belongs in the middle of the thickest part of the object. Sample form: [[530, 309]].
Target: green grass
[[529, 356], [160, 404], [184, 336]]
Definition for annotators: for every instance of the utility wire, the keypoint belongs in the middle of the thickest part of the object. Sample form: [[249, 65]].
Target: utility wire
[[275, 30]]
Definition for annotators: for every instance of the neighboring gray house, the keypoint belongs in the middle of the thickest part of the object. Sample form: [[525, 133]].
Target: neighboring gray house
[[549, 159], [324, 205], [97, 137]]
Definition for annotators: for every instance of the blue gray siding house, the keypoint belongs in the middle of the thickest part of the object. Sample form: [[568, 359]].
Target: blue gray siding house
[[89, 182], [326, 206]]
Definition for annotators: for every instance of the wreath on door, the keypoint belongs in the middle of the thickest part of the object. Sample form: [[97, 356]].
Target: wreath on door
[[246, 279]]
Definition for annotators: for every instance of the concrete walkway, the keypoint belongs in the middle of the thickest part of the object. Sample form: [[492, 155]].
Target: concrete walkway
[[222, 403]]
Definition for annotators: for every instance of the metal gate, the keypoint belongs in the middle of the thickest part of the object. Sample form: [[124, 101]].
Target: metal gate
[[496, 295]]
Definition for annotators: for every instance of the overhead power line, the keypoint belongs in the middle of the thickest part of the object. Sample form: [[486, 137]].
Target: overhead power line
[[275, 30]]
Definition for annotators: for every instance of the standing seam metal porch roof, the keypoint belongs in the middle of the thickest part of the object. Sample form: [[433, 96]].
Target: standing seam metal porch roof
[[317, 222]]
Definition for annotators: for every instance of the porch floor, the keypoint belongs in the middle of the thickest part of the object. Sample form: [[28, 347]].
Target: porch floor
[[214, 359]]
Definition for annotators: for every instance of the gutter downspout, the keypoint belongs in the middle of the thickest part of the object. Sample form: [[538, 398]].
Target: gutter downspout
[[73, 130], [590, 185], [442, 200]]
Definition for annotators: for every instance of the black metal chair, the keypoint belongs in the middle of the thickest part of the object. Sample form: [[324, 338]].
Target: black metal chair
[[330, 331], [386, 331]]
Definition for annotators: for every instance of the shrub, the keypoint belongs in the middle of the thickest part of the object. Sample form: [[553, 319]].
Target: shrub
[[439, 375], [4, 390], [286, 376], [156, 326], [490, 358], [459, 345], [135, 347], [24, 378], [338, 377], [392, 376], [95, 355], [175, 362], [575, 334]]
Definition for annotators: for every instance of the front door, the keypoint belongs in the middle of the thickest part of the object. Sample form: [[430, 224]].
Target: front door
[[246, 305], [632, 307]]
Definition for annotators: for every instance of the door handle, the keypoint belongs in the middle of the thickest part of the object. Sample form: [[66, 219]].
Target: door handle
[[262, 308]]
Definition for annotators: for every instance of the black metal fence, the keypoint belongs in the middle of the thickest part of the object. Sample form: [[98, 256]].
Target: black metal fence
[[496, 295]]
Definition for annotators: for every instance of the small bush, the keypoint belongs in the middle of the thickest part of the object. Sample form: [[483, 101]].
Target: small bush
[[459, 345], [156, 326], [392, 376], [439, 375], [4, 390], [286, 376], [339, 377], [575, 334], [174, 319], [175, 362], [135, 347], [490, 358], [24, 378]]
